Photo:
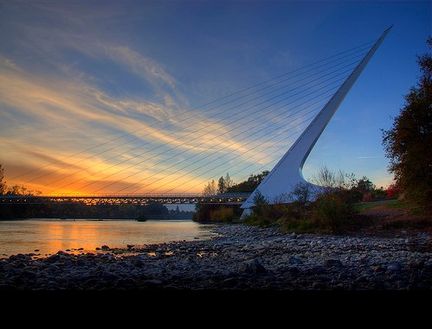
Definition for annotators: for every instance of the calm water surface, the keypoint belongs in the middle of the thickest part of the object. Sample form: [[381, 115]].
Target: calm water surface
[[52, 235]]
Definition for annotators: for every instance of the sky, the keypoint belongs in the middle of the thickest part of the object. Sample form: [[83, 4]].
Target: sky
[[129, 97]]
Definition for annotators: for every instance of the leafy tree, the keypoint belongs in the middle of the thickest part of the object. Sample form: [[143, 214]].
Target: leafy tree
[[259, 202], [3, 186], [250, 184], [364, 185], [221, 185], [224, 183], [408, 142], [210, 189], [302, 193]]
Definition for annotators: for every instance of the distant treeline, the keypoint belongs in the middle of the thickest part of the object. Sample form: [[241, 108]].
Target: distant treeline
[[80, 210], [227, 185]]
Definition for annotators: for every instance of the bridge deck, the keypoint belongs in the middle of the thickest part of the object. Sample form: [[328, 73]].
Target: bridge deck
[[228, 198]]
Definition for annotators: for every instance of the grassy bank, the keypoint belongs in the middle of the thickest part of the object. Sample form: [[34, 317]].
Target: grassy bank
[[331, 214]]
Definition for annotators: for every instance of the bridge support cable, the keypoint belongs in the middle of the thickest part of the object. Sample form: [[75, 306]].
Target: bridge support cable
[[235, 93], [224, 146], [266, 87], [240, 115], [239, 124], [175, 156], [261, 144], [287, 173]]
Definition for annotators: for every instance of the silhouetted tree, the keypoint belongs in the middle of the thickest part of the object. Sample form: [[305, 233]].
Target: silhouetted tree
[[224, 183], [250, 184], [330, 180], [210, 189], [364, 185], [228, 182], [3, 187], [259, 202], [15, 189], [221, 185], [408, 142]]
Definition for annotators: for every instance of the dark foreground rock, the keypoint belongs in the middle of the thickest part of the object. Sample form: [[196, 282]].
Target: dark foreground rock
[[240, 258]]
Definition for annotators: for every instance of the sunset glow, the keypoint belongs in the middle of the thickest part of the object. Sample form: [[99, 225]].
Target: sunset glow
[[88, 107]]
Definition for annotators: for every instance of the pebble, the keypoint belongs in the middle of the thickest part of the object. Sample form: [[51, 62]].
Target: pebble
[[394, 267], [295, 260], [333, 263], [237, 257]]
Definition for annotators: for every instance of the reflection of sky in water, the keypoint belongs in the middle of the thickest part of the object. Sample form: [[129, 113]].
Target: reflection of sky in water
[[50, 236], [182, 207]]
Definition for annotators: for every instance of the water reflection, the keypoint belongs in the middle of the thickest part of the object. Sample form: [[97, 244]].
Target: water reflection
[[50, 236]]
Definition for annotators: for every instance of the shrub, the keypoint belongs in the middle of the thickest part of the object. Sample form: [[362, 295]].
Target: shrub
[[331, 212], [285, 215], [216, 213], [392, 191], [222, 214], [302, 225], [264, 215]]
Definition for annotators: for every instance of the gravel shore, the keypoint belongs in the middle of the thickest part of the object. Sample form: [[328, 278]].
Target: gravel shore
[[240, 257]]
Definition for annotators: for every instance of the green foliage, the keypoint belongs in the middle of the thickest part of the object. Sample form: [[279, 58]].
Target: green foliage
[[152, 210], [302, 193], [331, 212], [250, 184], [260, 202], [224, 183], [207, 213], [408, 142], [282, 214], [80, 210], [263, 214], [364, 185], [2, 182], [302, 225], [221, 185], [223, 215]]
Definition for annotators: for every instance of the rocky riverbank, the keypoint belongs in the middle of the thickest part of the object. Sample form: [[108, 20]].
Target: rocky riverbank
[[240, 257]]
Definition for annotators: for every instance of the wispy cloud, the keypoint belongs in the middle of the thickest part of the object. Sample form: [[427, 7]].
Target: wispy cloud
[[138, 64], [66, 105], [368, 157], [78, 105]]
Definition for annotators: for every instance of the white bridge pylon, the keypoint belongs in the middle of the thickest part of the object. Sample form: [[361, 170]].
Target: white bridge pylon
[[287, 173]]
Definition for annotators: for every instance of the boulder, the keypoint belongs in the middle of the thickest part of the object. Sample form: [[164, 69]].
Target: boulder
[[252, 267], [295, 260], [333, 263]]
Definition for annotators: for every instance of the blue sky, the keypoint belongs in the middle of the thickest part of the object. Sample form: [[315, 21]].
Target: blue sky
[[123, 85]]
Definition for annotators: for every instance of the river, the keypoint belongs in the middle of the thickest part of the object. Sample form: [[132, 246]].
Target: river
[[51, 235]]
